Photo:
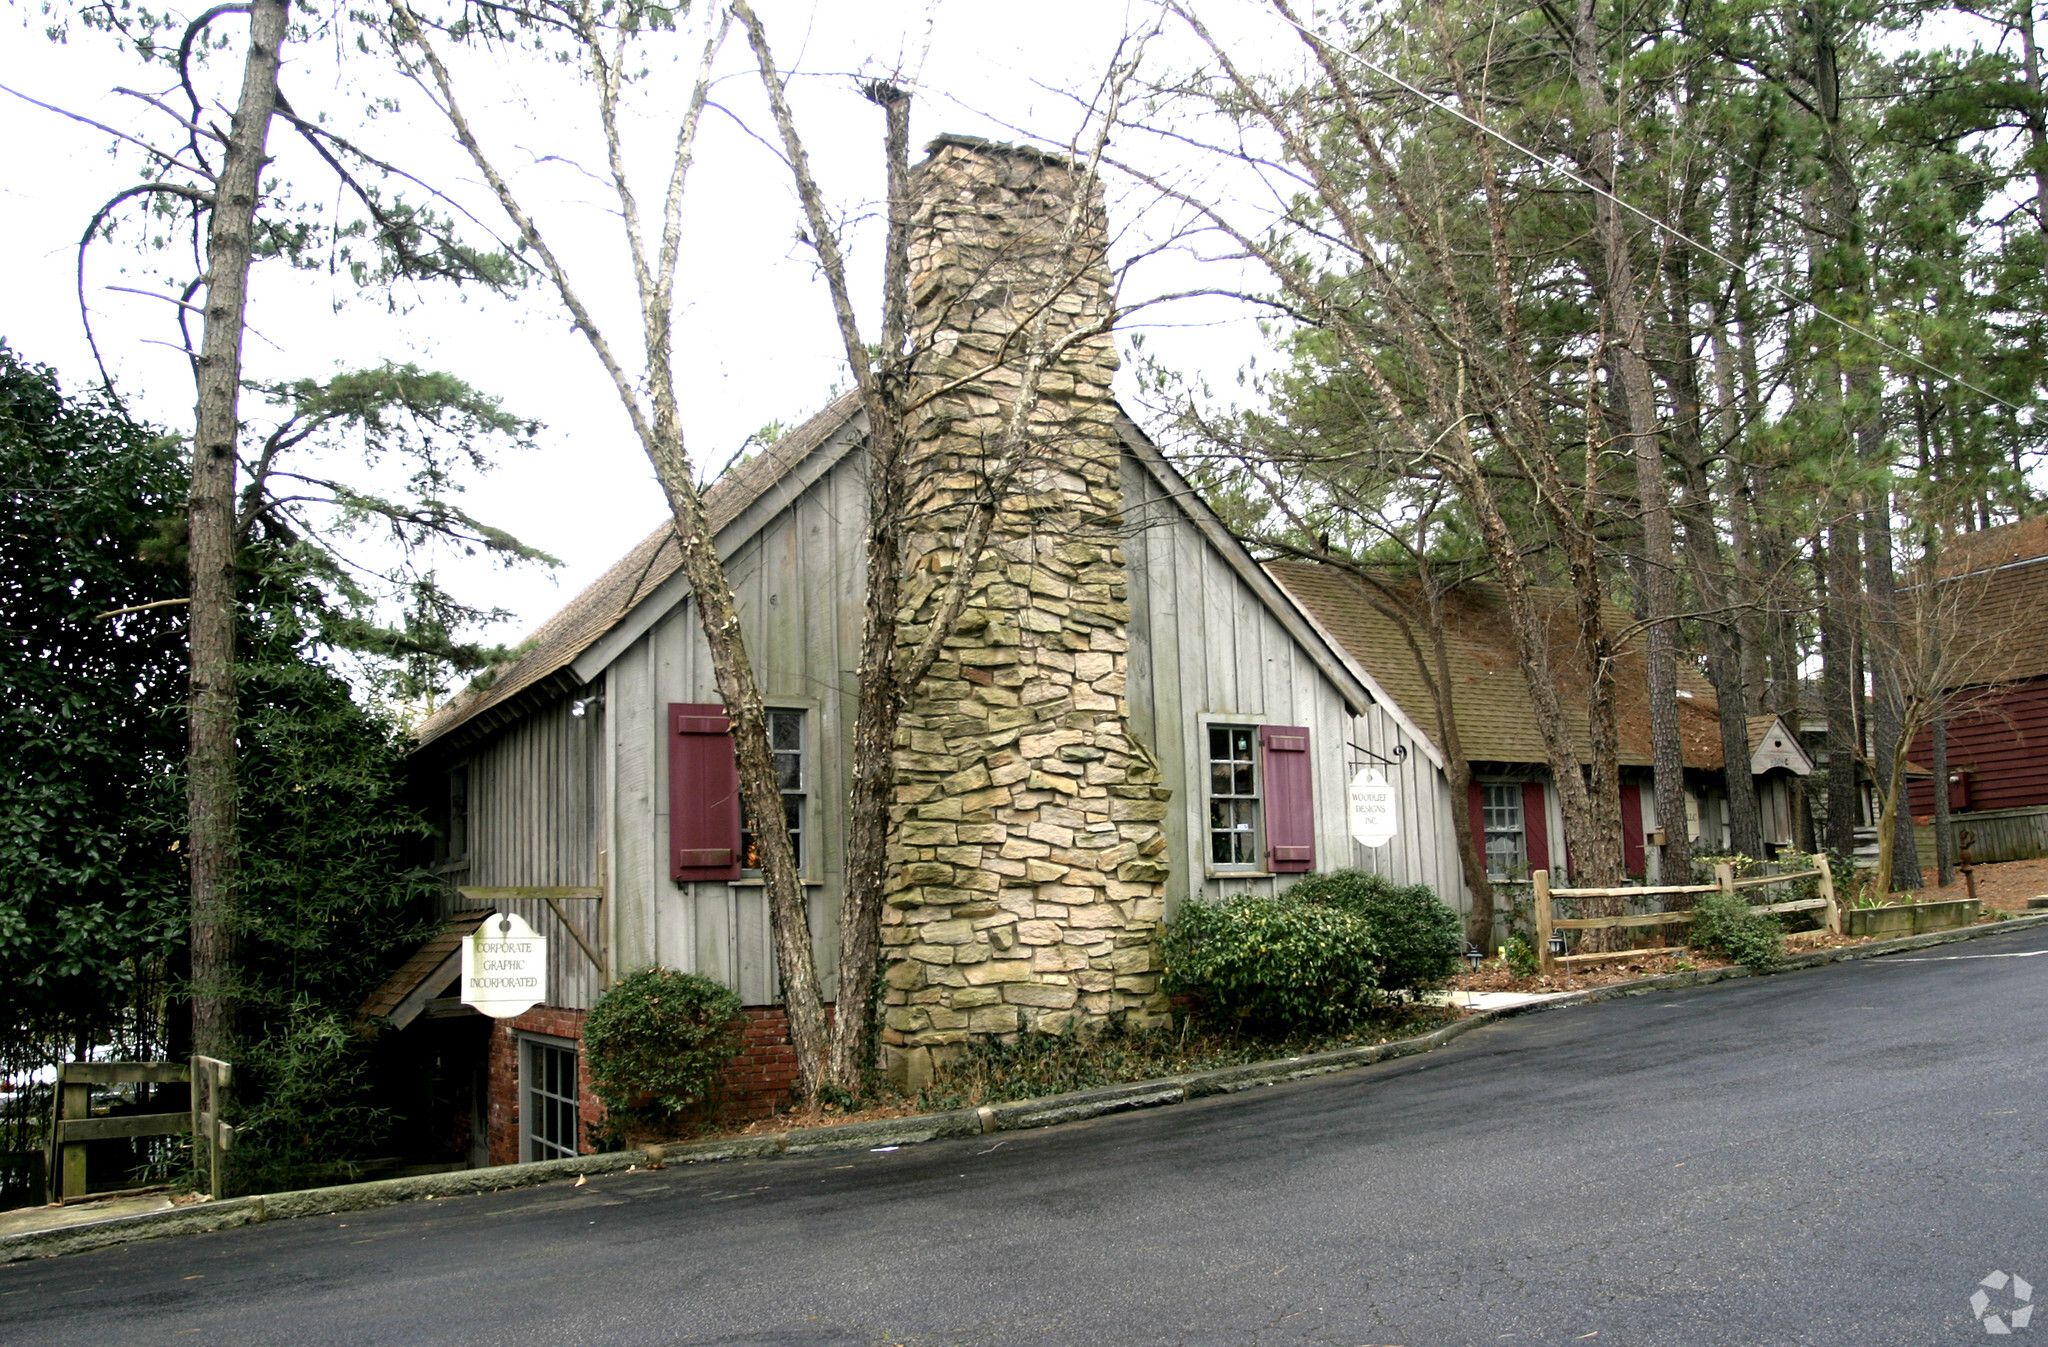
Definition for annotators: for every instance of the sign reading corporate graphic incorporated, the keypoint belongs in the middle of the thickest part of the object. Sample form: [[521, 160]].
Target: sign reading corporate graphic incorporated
[[504, 967], [1372, 808]]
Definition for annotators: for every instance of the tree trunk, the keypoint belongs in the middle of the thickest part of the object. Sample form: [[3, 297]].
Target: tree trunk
[[1888, 711], [2036, 115], [1944, 821], [210, 762], [881, 695], [1838, 685], [1623, 304]]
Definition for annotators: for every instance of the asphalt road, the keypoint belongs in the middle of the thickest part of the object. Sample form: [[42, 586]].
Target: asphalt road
[[1831, 1157]]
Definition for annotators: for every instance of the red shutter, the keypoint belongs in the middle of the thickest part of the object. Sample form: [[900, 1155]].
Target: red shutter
[[703, 793], [1290, 800], [1632, 858], [1535, 825]]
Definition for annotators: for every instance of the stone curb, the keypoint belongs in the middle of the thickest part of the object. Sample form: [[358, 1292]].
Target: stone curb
[[200, 1217]]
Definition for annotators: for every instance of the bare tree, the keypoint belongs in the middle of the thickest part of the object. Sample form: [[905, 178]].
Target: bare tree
[[602, 42], [1443, 352], [1934, 642]]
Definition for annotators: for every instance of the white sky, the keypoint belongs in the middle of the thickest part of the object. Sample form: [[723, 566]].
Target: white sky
[[756, 341]]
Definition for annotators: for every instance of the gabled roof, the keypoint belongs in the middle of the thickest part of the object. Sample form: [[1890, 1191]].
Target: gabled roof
[[1994, 609], [543, 665], [1495, 716], [571, 648], [425, 975], [1773, 744], [1987, 549]]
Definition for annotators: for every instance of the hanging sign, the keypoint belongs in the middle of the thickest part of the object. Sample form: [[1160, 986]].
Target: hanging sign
[[504, 967], [1372, 808]]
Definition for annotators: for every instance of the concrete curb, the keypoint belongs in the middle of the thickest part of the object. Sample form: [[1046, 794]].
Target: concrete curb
[[1016, 1116]]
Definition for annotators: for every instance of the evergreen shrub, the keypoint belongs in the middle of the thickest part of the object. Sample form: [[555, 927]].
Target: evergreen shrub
[[1273, 964], [657, 1041], [1419, 938], [1727, 924]]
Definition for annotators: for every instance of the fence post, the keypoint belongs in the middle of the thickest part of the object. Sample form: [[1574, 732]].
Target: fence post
[[1545, 960], [210, 1077], [1827, 891], [1724, 875], [64, 1166]]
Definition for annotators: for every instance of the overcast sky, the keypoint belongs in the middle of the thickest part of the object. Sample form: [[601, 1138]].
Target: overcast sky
[[756, 342]]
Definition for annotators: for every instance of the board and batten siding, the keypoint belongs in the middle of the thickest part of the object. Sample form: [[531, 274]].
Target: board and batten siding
[[799, 584], [536, 809], [1206, 648]]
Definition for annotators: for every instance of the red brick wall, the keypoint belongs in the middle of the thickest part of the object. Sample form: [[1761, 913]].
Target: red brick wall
[[758, 1083], [504, 1086]]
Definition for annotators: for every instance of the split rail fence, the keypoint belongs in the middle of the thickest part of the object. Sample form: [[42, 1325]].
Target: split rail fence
[[72, 1125], [1549, 924]]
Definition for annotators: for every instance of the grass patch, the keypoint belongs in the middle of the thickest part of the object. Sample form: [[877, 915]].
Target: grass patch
[[1033, 1065]]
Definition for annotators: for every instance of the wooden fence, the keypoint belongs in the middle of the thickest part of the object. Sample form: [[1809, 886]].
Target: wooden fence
[[1549, 924], [2002, 835], [72, 1125]]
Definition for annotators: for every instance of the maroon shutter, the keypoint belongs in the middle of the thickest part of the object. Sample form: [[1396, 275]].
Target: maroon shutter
[[1290, 801], [1632, 858], [703, 793], [1535, 825]]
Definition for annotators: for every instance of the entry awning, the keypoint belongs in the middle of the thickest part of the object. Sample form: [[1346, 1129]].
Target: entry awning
[[430, 971]]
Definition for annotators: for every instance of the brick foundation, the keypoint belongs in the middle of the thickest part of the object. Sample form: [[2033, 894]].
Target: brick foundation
[[759, 1082], [504, 1079]]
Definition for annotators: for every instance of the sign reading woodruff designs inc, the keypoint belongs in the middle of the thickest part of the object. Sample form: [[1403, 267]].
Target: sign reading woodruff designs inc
[[1372, 809], [504, 967]]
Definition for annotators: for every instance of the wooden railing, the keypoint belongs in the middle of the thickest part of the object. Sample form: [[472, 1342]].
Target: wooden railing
[[72, 1125], [1549, 924]]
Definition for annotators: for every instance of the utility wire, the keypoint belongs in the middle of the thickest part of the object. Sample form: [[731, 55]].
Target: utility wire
[[1678, 235]]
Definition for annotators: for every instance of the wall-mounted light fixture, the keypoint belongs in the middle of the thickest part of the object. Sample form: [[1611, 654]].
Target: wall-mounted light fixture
[[583, 706]]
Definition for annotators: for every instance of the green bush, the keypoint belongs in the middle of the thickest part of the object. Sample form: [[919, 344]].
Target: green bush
[[657, 1041], [1726, 924], [1521, 956], [1418, 937], [1274, 965]]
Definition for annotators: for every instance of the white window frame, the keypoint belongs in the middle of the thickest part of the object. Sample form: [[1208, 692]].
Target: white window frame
[[531, 1144], [1205, 843], [1521, 829], [806, 764]]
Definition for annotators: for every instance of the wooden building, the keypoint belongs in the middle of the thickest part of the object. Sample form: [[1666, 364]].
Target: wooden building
[[1998, 694], [1512, 803], [598, 763]]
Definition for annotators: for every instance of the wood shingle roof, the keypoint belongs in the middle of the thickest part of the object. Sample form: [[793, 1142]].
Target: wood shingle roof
[[1496, 719], [545, 656]]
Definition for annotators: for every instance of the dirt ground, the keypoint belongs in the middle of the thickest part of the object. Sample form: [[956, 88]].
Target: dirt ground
[[2005, 886]]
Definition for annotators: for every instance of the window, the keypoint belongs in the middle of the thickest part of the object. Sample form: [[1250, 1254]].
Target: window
[[457, 840], [1233, 797], [1507, 851], [786, 740], [550, 1114]]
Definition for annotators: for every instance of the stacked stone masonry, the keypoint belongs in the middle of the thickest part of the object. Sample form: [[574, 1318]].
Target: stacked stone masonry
[[1027, 876]]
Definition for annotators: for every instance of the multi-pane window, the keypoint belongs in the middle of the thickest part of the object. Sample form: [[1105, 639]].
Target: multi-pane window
[[457, 840], [1233, 796], [1507, 847], [786, 739], [551, 1121]]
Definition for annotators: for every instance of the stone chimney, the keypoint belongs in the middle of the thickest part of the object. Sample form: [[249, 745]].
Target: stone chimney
[[1027, 875]]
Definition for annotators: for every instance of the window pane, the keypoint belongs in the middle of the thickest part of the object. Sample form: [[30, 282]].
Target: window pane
[[789, 771], [1241, 745], [1243, 783], [1219, 743], [786, 729]]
